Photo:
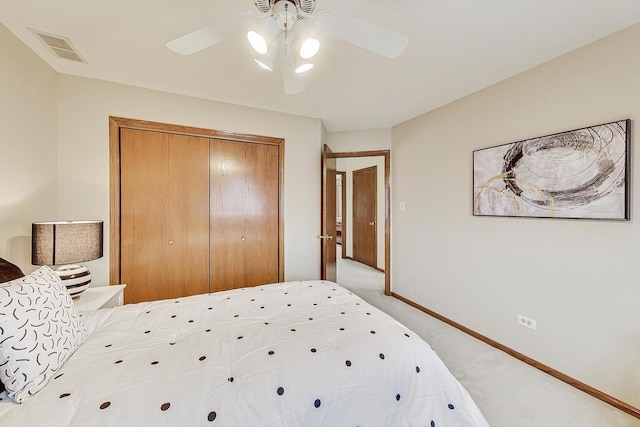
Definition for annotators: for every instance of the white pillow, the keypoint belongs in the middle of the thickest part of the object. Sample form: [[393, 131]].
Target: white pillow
[[39, 330]]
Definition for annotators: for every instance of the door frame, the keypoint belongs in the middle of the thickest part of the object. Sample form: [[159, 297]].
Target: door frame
[[328, 261], [387, 205], [116, 123]]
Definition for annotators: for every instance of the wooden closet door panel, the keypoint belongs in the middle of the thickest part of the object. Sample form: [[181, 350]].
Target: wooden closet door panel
[[144, 161], [228, 194], [187, 231], [262, 214]]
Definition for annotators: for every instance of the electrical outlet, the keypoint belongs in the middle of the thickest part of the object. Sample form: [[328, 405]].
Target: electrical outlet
[[527, 322]]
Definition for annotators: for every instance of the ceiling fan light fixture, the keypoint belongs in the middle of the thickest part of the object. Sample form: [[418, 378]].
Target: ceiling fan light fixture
[[267, 61], [309, 48], [302, 68], [257, 42], [264, 63], [295, 27]]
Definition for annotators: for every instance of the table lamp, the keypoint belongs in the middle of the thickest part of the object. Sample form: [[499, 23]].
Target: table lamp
[[67, 243]]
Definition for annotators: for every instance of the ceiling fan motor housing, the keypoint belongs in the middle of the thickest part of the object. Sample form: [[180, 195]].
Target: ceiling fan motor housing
[[285, 14], [284, 11]]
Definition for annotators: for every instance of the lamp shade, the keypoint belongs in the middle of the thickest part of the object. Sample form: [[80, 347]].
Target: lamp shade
[[65, 242]]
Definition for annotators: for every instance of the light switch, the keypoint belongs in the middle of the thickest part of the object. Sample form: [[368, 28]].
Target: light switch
[[403, 207]]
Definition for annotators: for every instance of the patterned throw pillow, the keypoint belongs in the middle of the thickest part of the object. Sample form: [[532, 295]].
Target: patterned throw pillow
[[39, 330], [8, 271]]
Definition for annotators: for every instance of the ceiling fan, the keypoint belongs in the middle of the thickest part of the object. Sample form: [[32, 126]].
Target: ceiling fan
[[293, 28]]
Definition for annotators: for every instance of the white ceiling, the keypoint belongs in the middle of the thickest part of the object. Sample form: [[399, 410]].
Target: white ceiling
[[456, 47]]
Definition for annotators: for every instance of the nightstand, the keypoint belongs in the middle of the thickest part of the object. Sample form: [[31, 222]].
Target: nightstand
[[98, 297]]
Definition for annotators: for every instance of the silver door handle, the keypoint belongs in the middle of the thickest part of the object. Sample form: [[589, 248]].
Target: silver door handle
[[325, 237], [372, 223]]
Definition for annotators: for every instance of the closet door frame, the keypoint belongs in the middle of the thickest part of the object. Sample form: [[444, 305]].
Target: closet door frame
[[117, 123]]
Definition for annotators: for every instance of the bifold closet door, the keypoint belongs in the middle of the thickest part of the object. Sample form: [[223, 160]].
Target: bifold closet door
[[164, 244], [244, 223]]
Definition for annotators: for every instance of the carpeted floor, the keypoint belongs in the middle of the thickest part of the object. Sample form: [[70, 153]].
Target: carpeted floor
[[508, 392]]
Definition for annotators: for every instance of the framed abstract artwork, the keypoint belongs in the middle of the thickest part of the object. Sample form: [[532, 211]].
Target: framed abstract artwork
[[580, 174]]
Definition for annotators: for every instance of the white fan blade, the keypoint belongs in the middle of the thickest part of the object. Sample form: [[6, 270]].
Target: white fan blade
[[361, 33], [293, 82], [208, 36]]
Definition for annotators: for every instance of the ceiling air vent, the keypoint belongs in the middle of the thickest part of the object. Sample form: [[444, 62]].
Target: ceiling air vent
[[60, 46]]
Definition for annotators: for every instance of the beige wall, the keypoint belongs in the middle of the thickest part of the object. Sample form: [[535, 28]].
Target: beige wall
[[84, 108], [360, 140], [28, 151], [578, 279]]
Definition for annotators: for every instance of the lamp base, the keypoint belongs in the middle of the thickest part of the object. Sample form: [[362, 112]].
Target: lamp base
[[75, 278]]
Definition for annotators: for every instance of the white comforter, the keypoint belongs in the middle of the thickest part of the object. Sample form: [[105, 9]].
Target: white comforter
[[289, 354]]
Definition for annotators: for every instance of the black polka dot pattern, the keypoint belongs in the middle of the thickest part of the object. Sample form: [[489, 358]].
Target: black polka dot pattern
[[281, 344]]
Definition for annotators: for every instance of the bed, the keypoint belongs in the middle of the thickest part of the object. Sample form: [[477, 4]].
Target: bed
[[305, 353]]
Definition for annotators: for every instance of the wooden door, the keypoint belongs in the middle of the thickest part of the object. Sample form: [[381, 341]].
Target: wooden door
[[341, 211], [328, 226], [164, 215], [365, 216], [244, 219]]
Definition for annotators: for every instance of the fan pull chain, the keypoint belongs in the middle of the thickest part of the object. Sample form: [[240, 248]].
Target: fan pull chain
[[286, 29]]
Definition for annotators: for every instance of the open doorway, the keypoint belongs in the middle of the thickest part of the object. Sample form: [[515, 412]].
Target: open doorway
[[371, 224]]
